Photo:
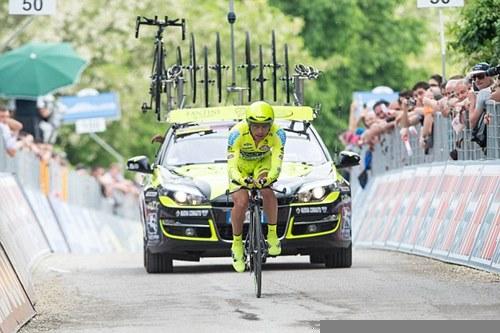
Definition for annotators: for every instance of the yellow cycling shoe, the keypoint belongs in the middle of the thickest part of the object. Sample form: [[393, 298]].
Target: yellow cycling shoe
[[274, 246], [238, 257]]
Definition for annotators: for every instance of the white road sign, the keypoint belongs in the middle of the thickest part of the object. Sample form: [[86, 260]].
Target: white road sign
[[92, 125], [439, 3], [32, 7]]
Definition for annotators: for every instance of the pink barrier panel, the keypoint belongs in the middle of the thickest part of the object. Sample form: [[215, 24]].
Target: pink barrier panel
[[398, 220], [20, 233], [451, 212], [386, 208], [407, 233], [427, 213], [466, 226], [372, 210], [15, 306], [449, 209], [487, 238]]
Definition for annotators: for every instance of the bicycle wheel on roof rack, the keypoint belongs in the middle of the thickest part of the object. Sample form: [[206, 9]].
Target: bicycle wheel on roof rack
[[261, 73], [192, 67], [287, 76], [205, 74], [248, 63], [159, 75], [274, 65], [218, 67]]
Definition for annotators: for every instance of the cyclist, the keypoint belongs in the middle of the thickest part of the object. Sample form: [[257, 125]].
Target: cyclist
[[255, 149]]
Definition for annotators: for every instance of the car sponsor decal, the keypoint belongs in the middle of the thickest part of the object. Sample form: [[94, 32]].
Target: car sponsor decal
[[192, 213], [152, 227], [311, 210]]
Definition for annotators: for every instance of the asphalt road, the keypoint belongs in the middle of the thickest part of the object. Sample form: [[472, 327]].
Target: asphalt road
[[113, 293]]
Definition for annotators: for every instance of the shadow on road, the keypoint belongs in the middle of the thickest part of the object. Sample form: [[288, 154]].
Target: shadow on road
[[218, 268]]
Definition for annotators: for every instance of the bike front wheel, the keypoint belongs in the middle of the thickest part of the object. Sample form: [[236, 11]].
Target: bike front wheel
[[256, 254]]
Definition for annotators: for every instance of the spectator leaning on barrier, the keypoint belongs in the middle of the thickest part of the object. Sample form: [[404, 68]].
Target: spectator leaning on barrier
[[482, 92], [9, 130]]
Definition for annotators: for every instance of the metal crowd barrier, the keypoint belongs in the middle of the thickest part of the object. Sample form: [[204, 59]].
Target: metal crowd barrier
[[67, 185], [391, 153]]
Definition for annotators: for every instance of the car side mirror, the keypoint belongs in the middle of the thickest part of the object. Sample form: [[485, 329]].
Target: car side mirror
[[139, 164], [347, 159]]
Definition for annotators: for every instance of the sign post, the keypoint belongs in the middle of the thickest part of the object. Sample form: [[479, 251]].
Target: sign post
[[440, 4], [32, 7]]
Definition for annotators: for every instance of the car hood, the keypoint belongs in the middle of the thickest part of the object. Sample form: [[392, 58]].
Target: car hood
[[212, 179]]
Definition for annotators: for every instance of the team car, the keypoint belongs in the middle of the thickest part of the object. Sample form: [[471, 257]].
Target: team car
[[185, 205]]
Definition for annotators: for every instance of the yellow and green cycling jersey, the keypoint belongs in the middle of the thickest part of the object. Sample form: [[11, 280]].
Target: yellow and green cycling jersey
[[245, 158]]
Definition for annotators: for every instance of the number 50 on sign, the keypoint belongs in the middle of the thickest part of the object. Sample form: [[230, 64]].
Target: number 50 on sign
[[439, 3], [32, 7]]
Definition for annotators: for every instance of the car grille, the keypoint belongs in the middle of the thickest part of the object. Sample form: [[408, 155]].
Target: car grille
[[225, 230], [186, 229]]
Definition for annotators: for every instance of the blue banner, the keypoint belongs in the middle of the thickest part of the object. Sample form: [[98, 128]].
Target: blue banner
[[104, 105]]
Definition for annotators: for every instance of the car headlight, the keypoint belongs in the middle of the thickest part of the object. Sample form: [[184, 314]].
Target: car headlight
[[184, 195], [315, 191]]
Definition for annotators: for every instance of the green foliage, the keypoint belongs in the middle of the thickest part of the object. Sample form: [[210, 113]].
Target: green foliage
[[103, 33], [364, 44], [477, 32], [358, 45]]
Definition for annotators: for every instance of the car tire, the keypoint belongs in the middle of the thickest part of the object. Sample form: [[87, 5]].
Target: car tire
[[157, 262], [339, 258], [317, 258]]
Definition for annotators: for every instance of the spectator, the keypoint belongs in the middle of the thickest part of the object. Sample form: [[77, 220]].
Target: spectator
[[435, 80], [9, 130], [482, 84], [26, 112]]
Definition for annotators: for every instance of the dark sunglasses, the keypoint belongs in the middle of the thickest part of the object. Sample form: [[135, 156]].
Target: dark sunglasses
[[479, 76]]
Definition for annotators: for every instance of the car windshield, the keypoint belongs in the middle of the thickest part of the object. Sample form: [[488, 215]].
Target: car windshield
[[212, 148]]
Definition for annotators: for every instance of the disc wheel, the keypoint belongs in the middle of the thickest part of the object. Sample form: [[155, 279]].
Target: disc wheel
[[261, 73], [249, 67], [287, 76], [205, 75], [274, 65], [192, 67], [218, 67]]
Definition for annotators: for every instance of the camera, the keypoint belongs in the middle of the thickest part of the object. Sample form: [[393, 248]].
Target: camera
[[493, 71], [412, 102]]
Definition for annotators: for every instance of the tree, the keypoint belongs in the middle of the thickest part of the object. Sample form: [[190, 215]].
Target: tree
[[103, 33], [363, 44], [477, 32]]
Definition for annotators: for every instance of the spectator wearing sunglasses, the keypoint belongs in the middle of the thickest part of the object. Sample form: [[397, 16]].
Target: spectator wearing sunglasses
[[483, 84]]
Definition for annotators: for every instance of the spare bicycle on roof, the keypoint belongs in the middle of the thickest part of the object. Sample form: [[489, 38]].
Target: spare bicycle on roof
[[264, 76]]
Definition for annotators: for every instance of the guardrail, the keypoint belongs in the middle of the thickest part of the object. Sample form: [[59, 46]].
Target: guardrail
[[391, 153]]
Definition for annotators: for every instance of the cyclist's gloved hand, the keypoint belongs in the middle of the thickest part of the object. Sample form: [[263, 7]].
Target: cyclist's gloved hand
[[264, 182], [248, 181]]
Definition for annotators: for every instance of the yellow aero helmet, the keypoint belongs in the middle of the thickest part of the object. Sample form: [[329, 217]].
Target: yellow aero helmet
[[260, 113]]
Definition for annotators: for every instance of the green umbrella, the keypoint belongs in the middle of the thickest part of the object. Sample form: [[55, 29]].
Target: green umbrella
[[37, 69]]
